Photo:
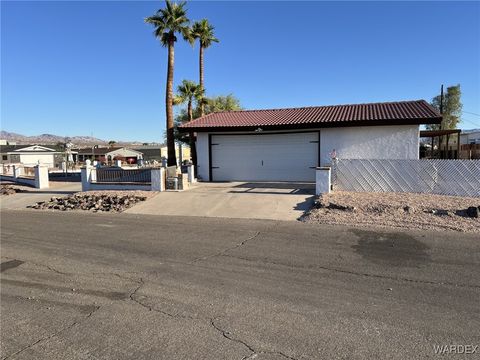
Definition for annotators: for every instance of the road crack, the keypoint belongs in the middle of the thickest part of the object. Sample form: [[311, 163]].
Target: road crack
[[133, 297], [223, 252], [46, 338], [254, 353]]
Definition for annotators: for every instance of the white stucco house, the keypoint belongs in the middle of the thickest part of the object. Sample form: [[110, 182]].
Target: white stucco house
[[471, 137], [288, 144], [31, 155]]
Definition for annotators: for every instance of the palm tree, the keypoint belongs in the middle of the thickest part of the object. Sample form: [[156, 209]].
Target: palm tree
[[168, 22], [203, 31], [188, 92]]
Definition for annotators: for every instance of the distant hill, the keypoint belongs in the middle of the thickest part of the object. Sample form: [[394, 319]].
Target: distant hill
[[54, 139]]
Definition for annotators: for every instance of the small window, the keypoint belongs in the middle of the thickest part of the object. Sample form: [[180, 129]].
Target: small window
[[4, 157]]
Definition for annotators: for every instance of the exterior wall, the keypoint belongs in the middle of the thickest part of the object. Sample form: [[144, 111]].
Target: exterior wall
[[470, 138], [35, 159], [361, 142], [370, 142], [202, 156], [19, 180], [185, 152]]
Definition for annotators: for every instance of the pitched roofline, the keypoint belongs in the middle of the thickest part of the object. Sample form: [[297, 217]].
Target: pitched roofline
[[190, 125], [319, 106]]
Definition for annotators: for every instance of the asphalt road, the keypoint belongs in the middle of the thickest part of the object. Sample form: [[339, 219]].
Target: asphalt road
[[90, 286]]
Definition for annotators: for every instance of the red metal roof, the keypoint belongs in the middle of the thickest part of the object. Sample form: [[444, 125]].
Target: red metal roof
[[388, 113]]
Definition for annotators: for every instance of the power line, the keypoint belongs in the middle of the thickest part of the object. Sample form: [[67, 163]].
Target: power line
[[471, 122], [471, 113]]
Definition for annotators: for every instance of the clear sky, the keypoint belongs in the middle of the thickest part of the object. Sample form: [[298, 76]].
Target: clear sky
[[77, 67]]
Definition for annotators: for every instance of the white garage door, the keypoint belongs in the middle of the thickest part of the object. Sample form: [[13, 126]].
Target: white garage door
[[265, 157]]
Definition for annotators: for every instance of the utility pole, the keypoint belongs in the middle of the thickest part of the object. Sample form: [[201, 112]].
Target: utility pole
[[441, 100], [442, 124]]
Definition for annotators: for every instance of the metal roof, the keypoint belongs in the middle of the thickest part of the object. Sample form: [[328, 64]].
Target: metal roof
[[388, 113]]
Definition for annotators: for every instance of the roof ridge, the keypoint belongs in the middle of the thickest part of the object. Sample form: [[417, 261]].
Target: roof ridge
[[316, 106]]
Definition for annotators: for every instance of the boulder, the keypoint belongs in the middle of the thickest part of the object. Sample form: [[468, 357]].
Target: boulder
[[473, 212]]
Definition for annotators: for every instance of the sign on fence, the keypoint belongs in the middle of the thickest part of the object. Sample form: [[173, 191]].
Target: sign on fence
[[443, 177]]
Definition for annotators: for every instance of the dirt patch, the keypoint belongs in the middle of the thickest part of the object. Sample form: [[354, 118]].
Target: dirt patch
[[401, 210]]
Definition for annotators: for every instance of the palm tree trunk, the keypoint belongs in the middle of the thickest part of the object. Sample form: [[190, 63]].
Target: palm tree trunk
[[190, 110], [202, 105], [172, 160]]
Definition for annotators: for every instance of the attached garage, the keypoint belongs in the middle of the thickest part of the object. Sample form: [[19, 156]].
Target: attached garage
[[288, 144], [265, 157]]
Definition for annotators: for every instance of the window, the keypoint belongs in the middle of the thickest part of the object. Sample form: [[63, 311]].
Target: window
[[4, 157]]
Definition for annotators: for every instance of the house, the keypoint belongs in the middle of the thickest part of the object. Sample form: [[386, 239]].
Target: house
[[157, 152], [31, 155], [470, 137], [288, 144], [109, 154], [470, 144]]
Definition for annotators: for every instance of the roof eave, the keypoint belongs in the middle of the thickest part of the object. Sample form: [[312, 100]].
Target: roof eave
[[318, 125]]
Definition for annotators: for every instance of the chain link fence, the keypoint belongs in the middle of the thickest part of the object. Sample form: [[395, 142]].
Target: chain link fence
[[443, 177]]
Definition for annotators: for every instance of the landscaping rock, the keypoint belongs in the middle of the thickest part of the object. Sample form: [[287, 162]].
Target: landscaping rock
[[409, 209], [340, 207], [88, 202], [6, 189], [473, 212]]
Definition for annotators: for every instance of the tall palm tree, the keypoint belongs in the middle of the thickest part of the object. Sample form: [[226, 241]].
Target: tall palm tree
[[188, 92], [168, 22], [203, 31]]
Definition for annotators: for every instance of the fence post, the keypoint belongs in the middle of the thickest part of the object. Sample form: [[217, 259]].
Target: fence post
[[17, 171], [41, 177], [323, 175], [86, 173], [191, 174], [158, 179]]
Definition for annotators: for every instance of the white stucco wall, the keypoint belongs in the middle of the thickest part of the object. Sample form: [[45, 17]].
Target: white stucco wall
[[370, 142], [362, 142], [470, 138], [33, 159], [202, 156]]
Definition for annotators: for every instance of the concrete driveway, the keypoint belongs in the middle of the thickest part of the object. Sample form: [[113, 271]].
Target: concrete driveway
[[247, 200]]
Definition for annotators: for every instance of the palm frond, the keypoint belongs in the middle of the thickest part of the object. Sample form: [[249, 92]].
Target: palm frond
[[170, 20], [204, 32]]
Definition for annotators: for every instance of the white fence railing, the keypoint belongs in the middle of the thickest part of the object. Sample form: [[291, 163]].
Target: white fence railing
[[443, 177], [35, 176]]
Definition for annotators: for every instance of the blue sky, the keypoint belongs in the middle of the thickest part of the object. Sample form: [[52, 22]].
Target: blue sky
[[82, 68]]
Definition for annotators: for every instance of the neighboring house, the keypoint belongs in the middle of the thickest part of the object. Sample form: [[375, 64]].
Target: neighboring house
[[31, 155], [288, 144], [109, 154], [470, 137], [150, 152], [157, 152], [470, 144]]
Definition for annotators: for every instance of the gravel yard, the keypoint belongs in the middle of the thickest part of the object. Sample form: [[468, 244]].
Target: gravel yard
[[402, 210], [95, 201]]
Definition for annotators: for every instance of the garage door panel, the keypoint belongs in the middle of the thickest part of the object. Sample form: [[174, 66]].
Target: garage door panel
[[265, 157]]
